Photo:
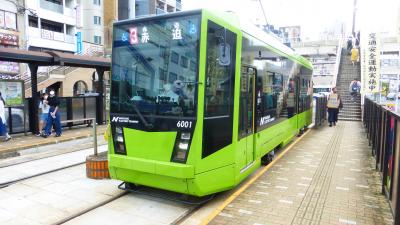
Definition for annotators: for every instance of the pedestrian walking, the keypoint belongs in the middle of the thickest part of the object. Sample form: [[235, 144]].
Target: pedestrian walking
[[44, 108], [53, 116], [349, 45], [334, 103], [354, 88], [3, 124], [354, 55], [354, 40]]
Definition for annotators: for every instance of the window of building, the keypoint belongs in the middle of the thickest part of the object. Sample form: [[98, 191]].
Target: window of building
[[97, 20], [96, 2], [8, 20], [184, 62], [174, 57], [59, 2], [33, 22], [172, 77], [52, 26], [97, 40], [219, 93]]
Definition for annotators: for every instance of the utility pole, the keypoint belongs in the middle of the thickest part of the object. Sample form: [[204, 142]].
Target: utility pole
[[354, 16], [265, 16]]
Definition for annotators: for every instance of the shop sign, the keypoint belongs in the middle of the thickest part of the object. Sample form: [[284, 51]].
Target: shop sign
[[79, 44], [47, 34], [7, 76], [9, 67], [8, 39]]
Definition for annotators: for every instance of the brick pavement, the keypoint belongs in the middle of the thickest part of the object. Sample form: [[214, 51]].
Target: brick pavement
[[30, 141], [328, 177]]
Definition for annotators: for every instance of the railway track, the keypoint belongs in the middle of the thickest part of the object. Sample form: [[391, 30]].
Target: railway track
[[189, 209], [77, 158]]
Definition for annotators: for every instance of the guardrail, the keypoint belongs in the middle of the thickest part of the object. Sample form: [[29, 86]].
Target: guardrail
[[383, 133], [337, 63], [320, 110], [74, 111]]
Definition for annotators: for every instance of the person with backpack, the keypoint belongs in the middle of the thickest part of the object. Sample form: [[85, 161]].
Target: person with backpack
[[333, 105], [354, 88]]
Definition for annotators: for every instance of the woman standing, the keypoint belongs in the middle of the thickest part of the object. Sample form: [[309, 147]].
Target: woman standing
[[3, 128], [334, 103], [44, 106]]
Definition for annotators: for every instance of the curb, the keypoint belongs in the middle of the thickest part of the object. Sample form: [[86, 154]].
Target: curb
[[14, 149]]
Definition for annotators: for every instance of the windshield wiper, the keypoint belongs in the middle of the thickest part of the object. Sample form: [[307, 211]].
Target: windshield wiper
[[146, 124]]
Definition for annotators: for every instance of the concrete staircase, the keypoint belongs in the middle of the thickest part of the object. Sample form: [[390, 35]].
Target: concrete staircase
[[347, 72]]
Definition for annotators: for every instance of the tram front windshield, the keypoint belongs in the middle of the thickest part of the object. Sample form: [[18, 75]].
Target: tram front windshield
[[154, 67]]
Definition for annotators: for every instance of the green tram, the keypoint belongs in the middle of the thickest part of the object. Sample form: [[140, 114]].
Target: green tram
[[199, 99]]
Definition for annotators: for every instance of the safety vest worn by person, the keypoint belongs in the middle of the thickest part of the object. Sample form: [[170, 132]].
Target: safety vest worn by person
[[333, 101]]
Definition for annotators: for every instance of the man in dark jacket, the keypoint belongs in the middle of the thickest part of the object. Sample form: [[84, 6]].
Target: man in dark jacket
[[54, 116]]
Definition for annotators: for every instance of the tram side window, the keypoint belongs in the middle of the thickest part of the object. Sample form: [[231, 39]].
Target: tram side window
[[218, 99], [306, 89]]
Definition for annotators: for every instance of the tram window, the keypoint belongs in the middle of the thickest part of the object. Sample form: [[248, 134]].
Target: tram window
[[218, 99], [305, 90], [147, 77], [246, 104]]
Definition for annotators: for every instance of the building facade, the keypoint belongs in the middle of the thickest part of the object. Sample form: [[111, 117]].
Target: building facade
[[12, 33], [52, 26], [92, 26], [129, 9]]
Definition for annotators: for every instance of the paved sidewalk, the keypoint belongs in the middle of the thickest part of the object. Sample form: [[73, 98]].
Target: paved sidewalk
[[30, 141], [328, 177]]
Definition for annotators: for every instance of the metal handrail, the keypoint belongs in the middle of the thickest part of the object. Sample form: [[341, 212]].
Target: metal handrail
[[337, 63]]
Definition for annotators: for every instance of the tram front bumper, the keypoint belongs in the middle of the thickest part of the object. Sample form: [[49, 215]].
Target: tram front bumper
[[170, 169]]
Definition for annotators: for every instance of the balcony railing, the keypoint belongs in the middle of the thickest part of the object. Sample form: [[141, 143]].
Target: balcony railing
[[160, 11], [70, 39], [51, 35], [51, 6]]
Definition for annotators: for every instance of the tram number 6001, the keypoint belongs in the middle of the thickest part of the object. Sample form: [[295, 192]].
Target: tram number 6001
[[184, 124]]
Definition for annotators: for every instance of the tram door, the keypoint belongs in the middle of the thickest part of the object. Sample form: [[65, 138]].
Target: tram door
[[247, 96]]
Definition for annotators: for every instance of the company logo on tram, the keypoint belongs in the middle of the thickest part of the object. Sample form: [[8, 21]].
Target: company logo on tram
[[118, 119]]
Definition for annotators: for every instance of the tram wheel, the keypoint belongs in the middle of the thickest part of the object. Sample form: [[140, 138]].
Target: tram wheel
[[269, 157]]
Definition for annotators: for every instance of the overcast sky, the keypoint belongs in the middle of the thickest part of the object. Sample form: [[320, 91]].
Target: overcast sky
[[314, 16]]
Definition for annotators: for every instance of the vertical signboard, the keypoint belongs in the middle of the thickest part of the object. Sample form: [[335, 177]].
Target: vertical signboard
[[372, 62], [79, 44]]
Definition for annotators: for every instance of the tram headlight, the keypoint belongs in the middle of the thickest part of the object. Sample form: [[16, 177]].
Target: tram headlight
[[120, 138], [119, 144], [181, 151], [183, 146]]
